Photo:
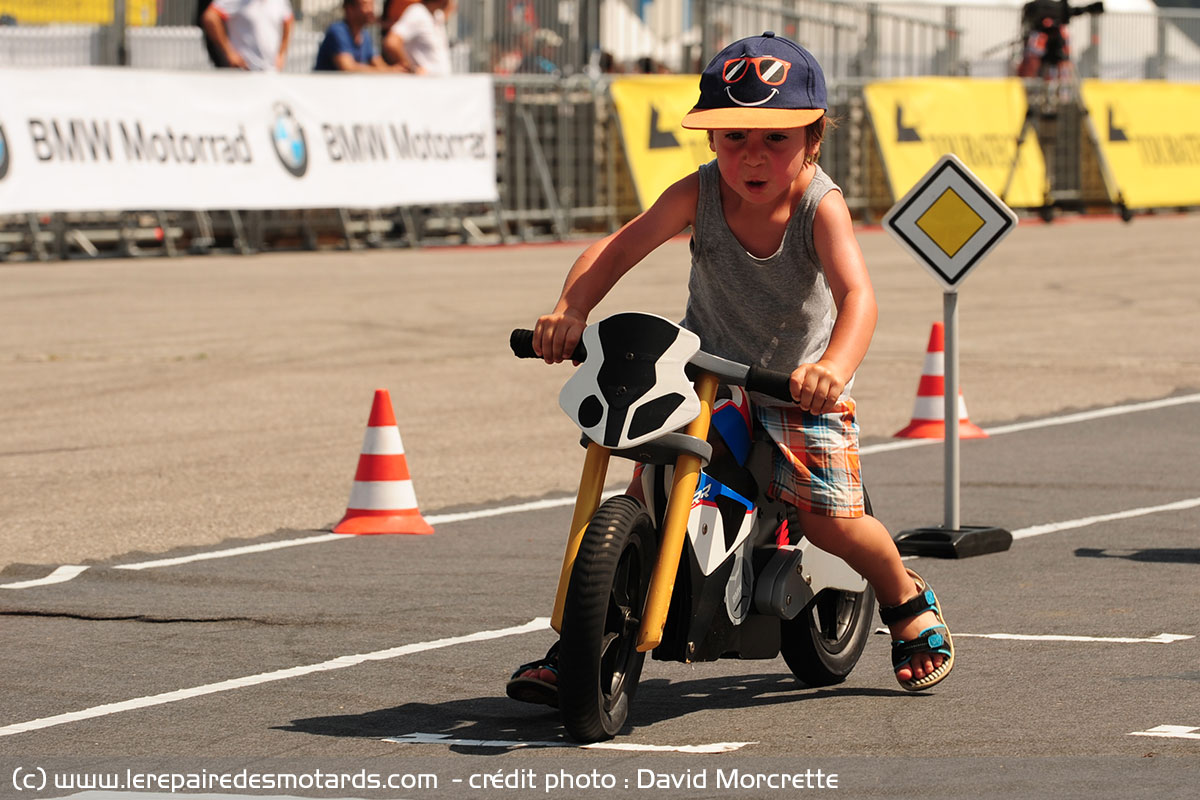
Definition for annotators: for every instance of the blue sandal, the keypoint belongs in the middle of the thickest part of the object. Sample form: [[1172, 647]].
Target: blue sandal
[[529, 689], [934, 639]]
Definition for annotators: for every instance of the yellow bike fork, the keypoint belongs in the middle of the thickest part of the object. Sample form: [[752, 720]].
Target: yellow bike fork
[[674, 529], [587, 500]]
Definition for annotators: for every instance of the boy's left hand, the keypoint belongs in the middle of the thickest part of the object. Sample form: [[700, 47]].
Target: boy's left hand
[[816, 387]]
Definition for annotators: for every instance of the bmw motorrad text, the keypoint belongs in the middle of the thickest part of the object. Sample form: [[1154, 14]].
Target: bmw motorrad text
[[38, 781]]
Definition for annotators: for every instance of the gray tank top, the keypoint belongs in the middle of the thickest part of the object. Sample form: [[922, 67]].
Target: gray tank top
[[776, 311]]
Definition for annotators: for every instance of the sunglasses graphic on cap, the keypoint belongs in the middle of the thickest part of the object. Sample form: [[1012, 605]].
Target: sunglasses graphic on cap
[[771, 71]]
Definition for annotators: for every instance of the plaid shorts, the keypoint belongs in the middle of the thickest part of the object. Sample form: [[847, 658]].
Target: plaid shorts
[[816, 467]]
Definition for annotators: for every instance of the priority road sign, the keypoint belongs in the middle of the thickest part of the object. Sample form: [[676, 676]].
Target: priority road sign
[[949, 221]]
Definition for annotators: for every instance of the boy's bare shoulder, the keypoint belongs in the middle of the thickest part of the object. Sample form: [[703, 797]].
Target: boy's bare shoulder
[[678, 201]]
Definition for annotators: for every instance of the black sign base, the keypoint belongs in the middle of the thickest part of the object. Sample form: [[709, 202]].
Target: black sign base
[[967, 541]]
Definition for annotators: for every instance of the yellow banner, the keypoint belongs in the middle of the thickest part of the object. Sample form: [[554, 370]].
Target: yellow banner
[[919, 120], [1149, 135], [659, 150], [79, 12]]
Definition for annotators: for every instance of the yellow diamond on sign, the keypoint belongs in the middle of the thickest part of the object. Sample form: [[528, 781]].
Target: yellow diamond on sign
[[950, 222]]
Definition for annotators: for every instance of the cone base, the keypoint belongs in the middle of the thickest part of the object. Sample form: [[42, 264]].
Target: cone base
[[936, 429], [364, 523]]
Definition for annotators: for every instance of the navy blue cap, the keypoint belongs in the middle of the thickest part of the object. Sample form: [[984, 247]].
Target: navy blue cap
[[760, 82]]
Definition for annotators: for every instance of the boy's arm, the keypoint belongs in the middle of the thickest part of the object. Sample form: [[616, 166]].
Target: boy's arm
[[816, 387], [598, 269]]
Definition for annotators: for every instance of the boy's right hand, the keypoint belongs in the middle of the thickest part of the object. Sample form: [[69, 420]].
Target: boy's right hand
[[556, 334]]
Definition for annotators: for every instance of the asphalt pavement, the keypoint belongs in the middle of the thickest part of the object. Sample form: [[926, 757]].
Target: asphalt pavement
[[306, 664]]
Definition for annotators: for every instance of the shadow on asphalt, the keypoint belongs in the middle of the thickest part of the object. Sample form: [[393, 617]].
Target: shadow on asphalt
[[1154, 555], [500, 719]]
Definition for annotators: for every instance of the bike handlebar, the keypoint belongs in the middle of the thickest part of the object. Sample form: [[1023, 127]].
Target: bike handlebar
[[770, 382], [521, 342]]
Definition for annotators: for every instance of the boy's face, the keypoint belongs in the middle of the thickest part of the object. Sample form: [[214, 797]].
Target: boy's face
[[759, 165]]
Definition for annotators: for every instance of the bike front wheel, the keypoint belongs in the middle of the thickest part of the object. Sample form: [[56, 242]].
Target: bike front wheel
[[599, 664]]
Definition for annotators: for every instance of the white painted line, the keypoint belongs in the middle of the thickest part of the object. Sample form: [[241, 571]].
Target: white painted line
[[1048, 422], [1171, 732], [482, 513], [60, 575], [1088, 416], [234, 551], [444, 738], [538, 624], [1162, 638], [1054, 527]]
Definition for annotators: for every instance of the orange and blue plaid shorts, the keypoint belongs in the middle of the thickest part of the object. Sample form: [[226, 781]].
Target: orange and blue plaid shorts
[[816, 466]]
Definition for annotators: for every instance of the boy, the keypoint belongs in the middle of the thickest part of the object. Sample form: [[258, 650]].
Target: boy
[[777, 280]]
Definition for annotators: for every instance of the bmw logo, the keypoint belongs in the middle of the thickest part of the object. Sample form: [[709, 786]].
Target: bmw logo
[[3, 154], [288, 138]]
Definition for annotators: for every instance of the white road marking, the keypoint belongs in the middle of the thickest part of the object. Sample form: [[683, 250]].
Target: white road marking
[[1055, 527], [1048, 422], [342, 662], [538, 505], [1162, 638], [444, 738], [1171, 732], [234, 551], [60, 575]]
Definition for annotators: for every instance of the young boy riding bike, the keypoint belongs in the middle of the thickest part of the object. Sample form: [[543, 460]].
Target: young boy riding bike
[[777, 280]]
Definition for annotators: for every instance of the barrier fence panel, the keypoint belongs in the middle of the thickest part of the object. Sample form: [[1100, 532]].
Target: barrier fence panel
[[561, 165]]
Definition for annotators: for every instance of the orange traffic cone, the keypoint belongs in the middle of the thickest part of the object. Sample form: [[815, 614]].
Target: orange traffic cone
[[929, 413], [382, 498]]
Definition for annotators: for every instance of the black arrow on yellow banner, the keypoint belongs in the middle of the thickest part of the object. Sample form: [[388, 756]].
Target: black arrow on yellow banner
[[1115, 134], [658, 138], [904, 134]]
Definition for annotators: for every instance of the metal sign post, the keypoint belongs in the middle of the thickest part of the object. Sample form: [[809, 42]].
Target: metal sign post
[[949, 221]]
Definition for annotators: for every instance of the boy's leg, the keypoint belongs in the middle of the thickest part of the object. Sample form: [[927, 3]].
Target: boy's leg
[[865, 544], [817, 470]]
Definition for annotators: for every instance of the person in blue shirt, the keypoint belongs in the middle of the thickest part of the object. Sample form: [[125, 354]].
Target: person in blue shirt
[[347, 46]]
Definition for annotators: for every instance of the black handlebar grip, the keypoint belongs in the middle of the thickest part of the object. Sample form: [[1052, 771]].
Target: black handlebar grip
[[521, 342], [770, 382]]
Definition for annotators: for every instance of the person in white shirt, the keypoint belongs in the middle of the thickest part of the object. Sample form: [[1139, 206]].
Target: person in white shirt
[[251, 34], [419, 41]]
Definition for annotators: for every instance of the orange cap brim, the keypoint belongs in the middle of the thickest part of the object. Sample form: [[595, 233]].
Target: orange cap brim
[[750, 118]]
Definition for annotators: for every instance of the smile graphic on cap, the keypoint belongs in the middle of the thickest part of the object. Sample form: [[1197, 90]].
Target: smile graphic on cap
[[769, 70]]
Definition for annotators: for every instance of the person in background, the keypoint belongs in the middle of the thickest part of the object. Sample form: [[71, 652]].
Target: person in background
[[419, 41], [249, 34], [392, 9], [347, 46]]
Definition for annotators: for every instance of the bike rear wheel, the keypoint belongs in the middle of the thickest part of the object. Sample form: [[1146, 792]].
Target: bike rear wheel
[[823, 643], [599, 665]]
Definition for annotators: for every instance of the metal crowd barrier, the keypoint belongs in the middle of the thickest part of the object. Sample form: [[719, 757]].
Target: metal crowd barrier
[[561, 170]]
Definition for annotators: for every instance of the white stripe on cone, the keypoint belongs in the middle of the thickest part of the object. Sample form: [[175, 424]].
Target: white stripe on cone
[[382, 496], [934, 408], [383, 441]]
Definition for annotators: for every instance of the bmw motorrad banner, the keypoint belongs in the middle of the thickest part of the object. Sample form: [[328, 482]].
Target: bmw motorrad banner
[[118, 139]]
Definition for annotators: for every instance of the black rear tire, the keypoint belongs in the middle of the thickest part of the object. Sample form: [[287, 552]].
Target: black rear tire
[[599, 665], [823, 643]]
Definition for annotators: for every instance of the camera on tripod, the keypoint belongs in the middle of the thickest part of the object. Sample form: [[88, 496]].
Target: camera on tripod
[[1044, 30]]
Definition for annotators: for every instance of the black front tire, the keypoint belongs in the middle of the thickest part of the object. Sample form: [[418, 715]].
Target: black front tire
[[823, 643], [599, 665]]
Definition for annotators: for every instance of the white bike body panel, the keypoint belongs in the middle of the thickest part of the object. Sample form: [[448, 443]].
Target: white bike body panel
[[706, 527], [827, 571], [625, 415]]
